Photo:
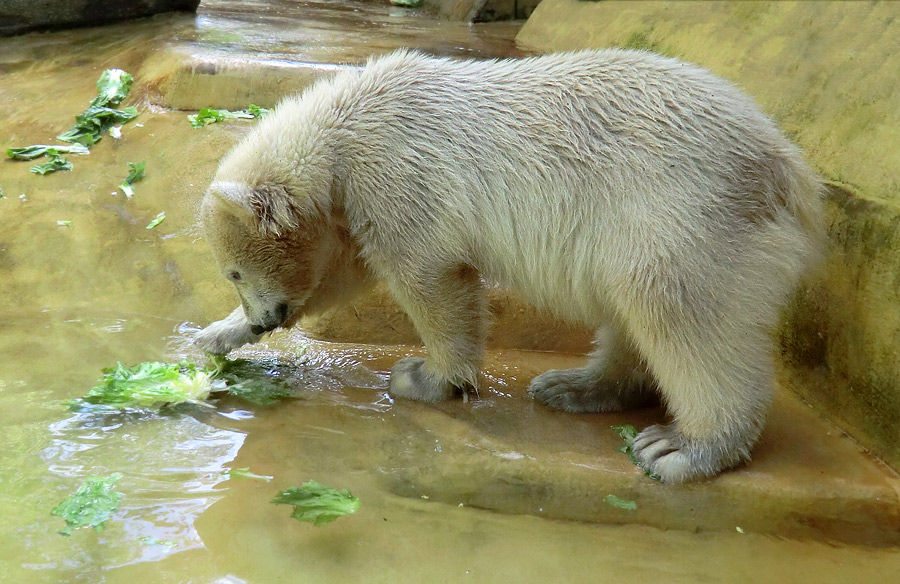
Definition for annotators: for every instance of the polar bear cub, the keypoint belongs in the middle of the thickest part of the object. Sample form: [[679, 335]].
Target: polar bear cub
[[632, 193]]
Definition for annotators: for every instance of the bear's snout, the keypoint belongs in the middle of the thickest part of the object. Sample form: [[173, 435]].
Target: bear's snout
[[273, 320]]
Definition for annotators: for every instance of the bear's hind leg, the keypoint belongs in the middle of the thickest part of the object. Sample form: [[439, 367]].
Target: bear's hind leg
[[717, 382], [614, 379]]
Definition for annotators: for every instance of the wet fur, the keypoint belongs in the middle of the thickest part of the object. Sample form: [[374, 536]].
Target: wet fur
[[622, 190]]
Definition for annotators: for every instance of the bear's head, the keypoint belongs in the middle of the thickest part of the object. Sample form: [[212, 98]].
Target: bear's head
[[285, 259]]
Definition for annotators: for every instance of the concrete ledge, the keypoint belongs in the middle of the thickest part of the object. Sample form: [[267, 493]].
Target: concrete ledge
[[502, 451]]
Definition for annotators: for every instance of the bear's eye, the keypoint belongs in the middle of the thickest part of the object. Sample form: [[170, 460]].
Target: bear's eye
[[234, 276]]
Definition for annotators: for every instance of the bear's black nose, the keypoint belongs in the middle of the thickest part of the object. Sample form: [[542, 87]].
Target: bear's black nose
[[273, 320]]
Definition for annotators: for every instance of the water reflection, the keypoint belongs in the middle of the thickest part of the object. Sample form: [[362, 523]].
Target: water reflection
[[172, 465]]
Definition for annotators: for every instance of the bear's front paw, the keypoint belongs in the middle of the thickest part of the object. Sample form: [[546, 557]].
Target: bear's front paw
[[410, 379], [567, 389], [224, 335]]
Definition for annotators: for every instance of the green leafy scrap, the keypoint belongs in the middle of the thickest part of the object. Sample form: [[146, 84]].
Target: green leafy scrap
[[407, 3], [257, 111], [148, 385], [628, 433], [249, 380], [156, 220], [614, 501], [94, 122], [153, 385], [91, 505], [210, 115], [38, 150], [55, 163], [112, 87], [135, 174], [244, 473], [317, 504]]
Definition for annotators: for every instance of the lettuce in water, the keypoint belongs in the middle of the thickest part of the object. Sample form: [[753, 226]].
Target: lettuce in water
[[210, 115], [135, 173], [148, 385], [317, 504], [250, 380], [38, 150], [55, 163], [91, 505], [152, 384]]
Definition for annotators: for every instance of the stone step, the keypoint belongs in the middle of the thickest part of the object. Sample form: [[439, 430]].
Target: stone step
[[237, 53], [503, 452]]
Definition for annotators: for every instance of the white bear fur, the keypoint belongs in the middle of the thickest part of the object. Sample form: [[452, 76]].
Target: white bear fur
[[633, 193]]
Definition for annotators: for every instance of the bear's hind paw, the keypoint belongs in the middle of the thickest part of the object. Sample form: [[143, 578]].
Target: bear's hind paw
[[664, 451]]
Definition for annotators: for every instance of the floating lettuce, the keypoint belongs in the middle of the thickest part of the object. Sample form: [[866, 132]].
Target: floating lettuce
[[148, 385], [38, 150], [317, 504], [136, 173], [152, 385], [210, 115], [614, 501], [91, 505], [55, 163], [112, 87], [157, 220], [249, 380], [90, 125], [244, 473], [629, 433]]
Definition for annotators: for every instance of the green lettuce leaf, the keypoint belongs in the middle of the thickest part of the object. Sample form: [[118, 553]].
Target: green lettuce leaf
[[91, 505], [136, 173], [250, 380], [614, 501], [90, 125], [38, 150], [112, 87], [55, 163], [157, 220], [148, 385], [210, 115], [244, 473], [316, 503], [628, 433]]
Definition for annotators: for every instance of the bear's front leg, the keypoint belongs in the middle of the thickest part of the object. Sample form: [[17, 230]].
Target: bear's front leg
[[229, 333], [448, 311], [410, 378]]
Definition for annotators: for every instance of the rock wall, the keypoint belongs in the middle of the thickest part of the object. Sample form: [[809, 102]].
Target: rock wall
[[19, 16]]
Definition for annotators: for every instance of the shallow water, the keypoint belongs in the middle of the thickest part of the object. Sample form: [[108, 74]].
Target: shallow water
[[76, 299]]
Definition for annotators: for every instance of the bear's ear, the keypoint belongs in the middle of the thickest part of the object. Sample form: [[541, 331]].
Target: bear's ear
[[275, 209], [272, 206]]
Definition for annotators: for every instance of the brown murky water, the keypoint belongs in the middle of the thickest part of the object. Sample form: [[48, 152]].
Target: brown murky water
[[77, 298]]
